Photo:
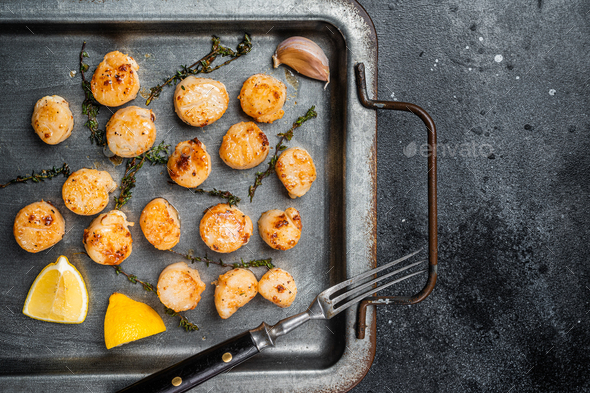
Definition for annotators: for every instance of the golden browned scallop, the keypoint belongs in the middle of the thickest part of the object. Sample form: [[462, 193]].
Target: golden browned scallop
[[180, 287], [107, 240], [296, 171], [244, 146], [86, 192], [233, 290], [190, 164], [160, 224], [131, 131], [278, 286], [225, 229], [115, 80], [200, 101], [52, 119], [262, 97], [38, 226], [280, 229]]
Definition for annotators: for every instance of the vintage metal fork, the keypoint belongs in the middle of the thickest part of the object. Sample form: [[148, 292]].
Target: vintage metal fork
[[225, 356]]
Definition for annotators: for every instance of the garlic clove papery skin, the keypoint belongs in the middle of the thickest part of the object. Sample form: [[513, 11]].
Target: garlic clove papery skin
[[304, 56]]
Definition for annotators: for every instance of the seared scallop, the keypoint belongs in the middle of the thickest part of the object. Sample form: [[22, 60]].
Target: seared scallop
[[115, 80], [278, 286], [225, 229], [107, 240], [86, 192], [296, 171], [262, 97], [280, 230], [233, 290], [244, 146], [131, 131], [200, 101], [52, 119], [38, 226], [190, 164], [180, 287], [160, 224]]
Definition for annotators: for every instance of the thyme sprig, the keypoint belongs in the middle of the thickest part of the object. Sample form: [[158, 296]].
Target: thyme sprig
[[132, 166], [311, 113], [184, 322], [232, 200], [267, 263], [45, 174], [204, 64], [242, 264], [146, 285], [156, 155], [90, 107]]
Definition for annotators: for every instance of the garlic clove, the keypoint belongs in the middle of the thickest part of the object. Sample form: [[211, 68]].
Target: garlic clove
[[304, 56]]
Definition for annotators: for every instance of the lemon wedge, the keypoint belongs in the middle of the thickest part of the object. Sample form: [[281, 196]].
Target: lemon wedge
[[127, 320], [58, 294]]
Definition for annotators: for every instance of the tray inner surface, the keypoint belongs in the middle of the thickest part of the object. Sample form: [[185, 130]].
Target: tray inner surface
[[36, 60]]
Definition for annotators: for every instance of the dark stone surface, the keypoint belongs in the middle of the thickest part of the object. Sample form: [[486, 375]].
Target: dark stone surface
[[510, 312]]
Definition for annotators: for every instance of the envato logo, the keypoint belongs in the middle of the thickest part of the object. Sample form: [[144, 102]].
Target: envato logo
[[463, 150]]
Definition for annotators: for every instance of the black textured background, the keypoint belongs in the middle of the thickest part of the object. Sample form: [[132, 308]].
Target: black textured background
[[510, 312]]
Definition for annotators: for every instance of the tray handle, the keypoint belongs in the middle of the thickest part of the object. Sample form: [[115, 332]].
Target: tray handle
[[361, 84]]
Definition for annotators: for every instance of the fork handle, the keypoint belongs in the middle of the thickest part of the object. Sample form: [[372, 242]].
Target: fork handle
[[198, 368]]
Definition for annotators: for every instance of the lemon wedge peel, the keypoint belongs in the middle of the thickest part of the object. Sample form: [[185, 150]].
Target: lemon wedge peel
[[127, 320], [52, 296]]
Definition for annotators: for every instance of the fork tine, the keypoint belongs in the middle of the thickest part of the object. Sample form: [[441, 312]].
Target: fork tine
[[369, 292], [372, 282], [361, 276]]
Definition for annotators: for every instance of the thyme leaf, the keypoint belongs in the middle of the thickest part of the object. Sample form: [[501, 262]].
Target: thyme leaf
[[156, 155], [242, 264], [90, 107], [311, 113], [184, 322], [45, 174], [204, 64]]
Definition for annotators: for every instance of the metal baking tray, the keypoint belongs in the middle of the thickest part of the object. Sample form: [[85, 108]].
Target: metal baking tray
[[40, 43]]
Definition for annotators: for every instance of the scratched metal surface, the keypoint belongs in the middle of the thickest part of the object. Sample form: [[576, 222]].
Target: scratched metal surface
[[40, 45]]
